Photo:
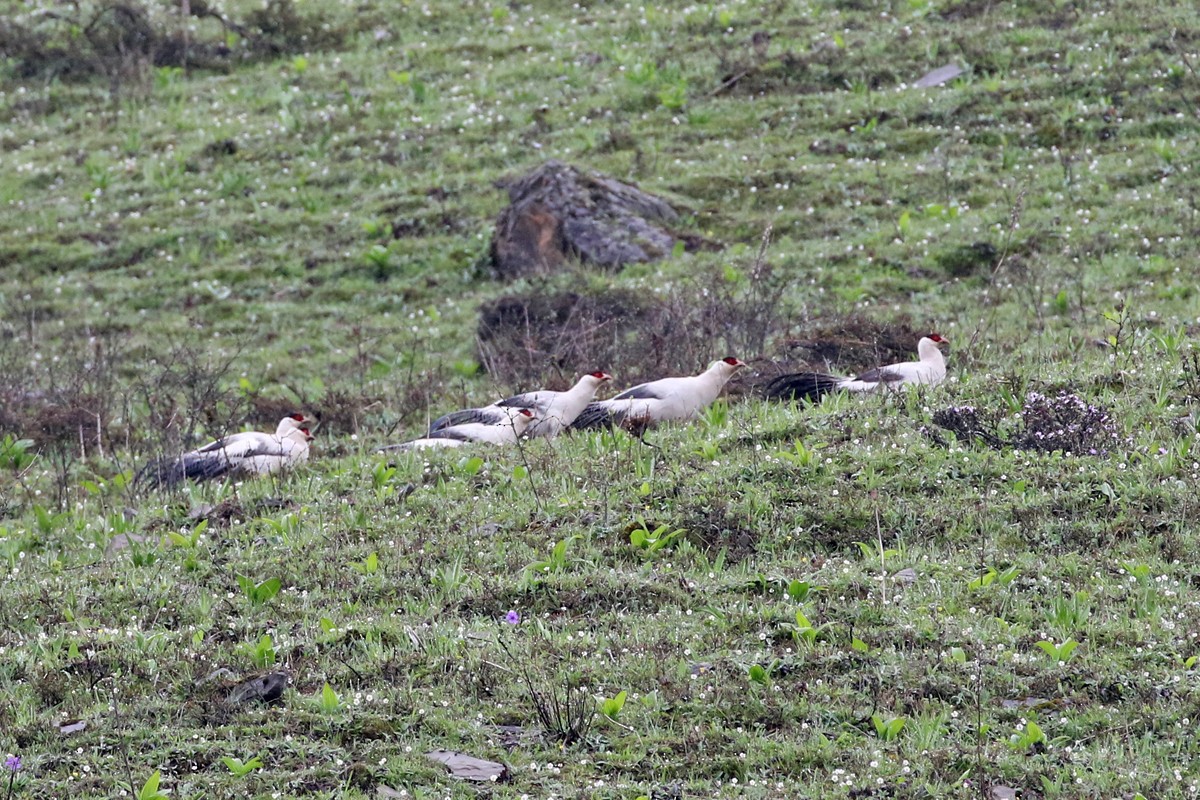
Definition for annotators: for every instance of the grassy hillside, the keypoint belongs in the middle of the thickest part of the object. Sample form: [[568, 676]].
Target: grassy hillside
[[988, 584]]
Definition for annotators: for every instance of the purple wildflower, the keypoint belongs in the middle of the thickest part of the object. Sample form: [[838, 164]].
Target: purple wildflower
[[512, 618], [12, 763]]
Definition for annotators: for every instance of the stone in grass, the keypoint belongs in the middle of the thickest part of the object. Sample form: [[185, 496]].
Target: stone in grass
[[1004, 793], [557, 211], [938, 76], [906, 575], [470, 768], [72, 726], [489, 529], [266, 688], [673, 791]]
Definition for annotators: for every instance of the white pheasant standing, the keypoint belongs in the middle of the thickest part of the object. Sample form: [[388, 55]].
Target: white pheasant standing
[[506, 432], [553, 411], [929, 369], [659, 401], [247, 453]]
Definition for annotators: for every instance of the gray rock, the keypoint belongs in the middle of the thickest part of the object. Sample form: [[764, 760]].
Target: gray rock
[[938, 76]]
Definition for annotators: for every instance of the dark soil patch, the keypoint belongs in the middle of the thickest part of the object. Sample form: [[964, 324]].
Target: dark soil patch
[[220, 147], [72, 423], [717, 528], [977, 258], [551, 336], [521, 335]]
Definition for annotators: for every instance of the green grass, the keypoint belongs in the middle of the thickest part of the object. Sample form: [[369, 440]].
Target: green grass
[[159, 284]]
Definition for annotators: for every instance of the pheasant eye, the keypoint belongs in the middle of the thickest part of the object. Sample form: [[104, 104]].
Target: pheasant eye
[[731, 361], [298, 417]]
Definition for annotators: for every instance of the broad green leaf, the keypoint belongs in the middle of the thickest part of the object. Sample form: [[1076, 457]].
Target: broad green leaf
[[267, 589], [329, 700], [612, 706], [1048, 648], [800, 590]]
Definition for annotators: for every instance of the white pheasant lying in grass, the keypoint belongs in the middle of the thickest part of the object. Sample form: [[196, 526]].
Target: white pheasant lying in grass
[[659, 401], [929, 369], [553, 411], [247, 453], [507, 431]]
